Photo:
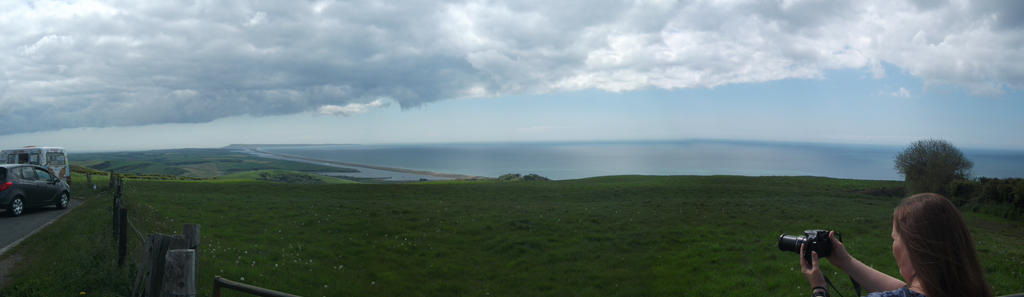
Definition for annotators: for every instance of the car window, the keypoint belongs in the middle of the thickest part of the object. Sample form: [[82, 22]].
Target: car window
[[26, 173], [55, 158], [43, 174], [3, 174]]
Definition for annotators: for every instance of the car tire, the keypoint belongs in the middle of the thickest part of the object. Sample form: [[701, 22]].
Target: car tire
[[17, 207], [63, 201]]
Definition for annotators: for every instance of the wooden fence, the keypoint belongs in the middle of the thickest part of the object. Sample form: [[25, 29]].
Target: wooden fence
[[170, 263]]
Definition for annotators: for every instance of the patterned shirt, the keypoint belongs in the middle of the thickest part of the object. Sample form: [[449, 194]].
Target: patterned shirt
[[901, 292]]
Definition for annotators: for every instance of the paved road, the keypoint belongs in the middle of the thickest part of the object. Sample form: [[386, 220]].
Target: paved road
[[13, 229]]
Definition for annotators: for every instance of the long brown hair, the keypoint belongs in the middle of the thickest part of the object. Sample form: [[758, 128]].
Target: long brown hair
[[939, 247]]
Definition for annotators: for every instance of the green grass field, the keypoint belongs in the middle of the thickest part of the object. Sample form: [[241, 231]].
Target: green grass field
[[609, 236]]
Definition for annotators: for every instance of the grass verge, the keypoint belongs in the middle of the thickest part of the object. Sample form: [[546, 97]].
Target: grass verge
[[74, 254]]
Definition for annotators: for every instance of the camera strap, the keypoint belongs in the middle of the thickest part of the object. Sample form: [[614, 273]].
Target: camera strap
[[829, 282], [856, 286]]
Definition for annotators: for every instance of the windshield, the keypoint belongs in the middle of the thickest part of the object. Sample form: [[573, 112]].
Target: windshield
[[43, 175]]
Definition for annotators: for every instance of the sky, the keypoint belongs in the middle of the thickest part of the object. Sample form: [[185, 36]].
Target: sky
[[134, 75]]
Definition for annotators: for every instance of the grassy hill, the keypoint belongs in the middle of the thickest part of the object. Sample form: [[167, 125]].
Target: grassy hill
[[202, 163], [283, 176], [609, 236]]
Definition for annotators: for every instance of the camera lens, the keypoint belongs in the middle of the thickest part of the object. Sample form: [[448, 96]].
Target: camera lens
[[791, 242]]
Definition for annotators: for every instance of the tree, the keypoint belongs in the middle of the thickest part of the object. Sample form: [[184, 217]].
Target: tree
[[930, 165]]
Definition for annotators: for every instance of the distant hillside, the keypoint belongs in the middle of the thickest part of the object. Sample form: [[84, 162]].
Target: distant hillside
[[202, 163], [286, 177], [248, 146]]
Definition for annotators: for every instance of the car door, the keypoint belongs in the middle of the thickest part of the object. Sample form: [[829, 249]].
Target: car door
[[30, 182], [47, 186]]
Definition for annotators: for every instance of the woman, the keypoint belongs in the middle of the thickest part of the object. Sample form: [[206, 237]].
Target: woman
[[932, 247]]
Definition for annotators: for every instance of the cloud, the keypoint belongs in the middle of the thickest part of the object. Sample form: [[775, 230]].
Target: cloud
[[351, 108], [902, 93], [109, 63]]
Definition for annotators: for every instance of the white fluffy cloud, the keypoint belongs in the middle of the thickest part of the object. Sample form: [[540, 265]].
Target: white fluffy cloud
[[121, 63], [351, 108]]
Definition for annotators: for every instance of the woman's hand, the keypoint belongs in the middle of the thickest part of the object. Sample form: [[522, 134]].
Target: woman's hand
[[811, 270], [839, 257]]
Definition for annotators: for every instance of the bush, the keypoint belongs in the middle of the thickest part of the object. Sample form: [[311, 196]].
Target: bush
[[990, 191], [930, 165], [518, 177], [1000, 197], [1018, 194], [961, 191]]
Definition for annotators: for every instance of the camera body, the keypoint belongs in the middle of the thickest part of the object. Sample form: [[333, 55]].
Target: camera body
[[813, 240]]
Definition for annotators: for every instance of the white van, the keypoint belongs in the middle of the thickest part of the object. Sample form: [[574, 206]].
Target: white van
[[53, 158]]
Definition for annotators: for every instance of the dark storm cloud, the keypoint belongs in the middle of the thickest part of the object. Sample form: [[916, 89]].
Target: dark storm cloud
[[114, 63]]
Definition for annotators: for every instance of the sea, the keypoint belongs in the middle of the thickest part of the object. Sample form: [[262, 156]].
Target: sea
[[574, 160]]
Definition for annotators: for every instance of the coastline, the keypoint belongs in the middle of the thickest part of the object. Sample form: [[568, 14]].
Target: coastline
[[576, 160], [454, 176]]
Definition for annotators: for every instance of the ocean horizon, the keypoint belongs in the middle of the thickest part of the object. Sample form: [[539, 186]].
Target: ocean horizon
[[573, 160]]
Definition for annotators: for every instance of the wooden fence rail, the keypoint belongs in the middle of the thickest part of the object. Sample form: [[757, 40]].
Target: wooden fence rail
[[220, 282]]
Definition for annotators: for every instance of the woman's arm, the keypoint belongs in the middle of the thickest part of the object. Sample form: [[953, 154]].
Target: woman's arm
[[871, 279]]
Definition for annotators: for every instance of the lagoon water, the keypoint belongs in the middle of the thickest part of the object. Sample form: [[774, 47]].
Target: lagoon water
[[571, 160]]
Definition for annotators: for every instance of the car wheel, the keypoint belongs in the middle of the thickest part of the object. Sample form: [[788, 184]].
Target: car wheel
[[62, 203], [17, 207]]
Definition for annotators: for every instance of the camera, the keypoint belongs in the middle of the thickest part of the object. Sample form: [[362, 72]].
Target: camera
[[813, 240]]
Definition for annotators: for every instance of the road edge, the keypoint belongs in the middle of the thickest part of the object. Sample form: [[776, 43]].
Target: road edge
[[40, 228]]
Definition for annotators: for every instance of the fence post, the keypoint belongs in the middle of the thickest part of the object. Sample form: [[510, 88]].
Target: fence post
[[179, 279], [115, 209], [144, 267], [88, 180], [156, 263], [118, 220], [191, 234], [160, 273], [110, 185], [122, 245]]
